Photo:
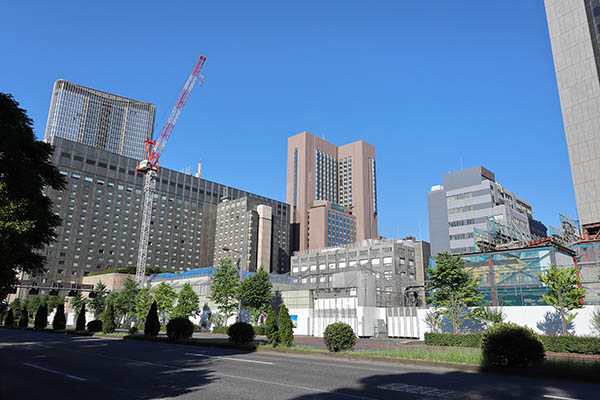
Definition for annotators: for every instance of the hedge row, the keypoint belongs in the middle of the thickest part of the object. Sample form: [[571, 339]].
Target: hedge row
[[557, 344], [450, 339]]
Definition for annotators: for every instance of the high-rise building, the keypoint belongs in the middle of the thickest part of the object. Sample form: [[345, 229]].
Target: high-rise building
[[344, 177], [574, 27], [101, 120], [471, 199]]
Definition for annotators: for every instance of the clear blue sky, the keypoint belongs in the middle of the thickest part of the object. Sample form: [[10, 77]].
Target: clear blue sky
[[432, 85]]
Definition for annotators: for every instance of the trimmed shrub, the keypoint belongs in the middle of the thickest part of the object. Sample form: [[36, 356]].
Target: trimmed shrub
[[152, 325], [24, 320], [59, 322], [285, 327], [339, 337], [241, 333], [9, 322], [80, 324], [511, 345], [271, 328], [180, 328], [133, 330], [571, 344], [452, 339], [41, 317], [94, 326], [220, 329], [259, 330], [108, 319]]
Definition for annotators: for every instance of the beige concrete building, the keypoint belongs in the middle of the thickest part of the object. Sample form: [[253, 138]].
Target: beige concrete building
[[574, 27], [344, 176]]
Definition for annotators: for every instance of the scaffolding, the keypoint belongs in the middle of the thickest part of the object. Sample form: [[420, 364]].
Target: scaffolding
[[500, 236]]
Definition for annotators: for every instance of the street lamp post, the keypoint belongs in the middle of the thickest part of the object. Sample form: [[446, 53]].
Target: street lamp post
[[239, 267]]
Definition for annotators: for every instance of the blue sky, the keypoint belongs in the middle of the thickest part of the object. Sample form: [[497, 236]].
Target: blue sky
[[434, 86]]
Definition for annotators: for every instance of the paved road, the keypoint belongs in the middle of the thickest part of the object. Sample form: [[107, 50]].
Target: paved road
[[52, 366]]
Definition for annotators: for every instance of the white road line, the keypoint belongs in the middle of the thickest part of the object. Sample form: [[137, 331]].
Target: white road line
[[558, 397], [56, 372], [229, 358]]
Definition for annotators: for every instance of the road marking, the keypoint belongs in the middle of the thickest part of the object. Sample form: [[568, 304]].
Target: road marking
[[229, 358], [56, 372], [558, 397], [426, 390]]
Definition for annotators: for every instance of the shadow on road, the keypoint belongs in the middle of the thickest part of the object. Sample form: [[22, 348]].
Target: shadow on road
[[450, 385]]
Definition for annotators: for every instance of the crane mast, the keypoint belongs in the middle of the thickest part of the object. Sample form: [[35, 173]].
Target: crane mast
[[149, 166]]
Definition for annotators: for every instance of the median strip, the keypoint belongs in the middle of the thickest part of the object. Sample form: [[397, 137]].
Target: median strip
[[229, 358]]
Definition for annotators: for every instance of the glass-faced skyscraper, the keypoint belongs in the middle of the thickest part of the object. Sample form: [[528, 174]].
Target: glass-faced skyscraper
[[574, 27], [102, 120]]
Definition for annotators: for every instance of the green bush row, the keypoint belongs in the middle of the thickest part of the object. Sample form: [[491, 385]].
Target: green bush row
[[220, 329], [558, 344], [450, 339]]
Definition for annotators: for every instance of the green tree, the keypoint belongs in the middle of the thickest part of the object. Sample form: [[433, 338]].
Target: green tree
[[255, 294], [143, 301], [165, 297], [53, 301], [271, 327], [98, 303], [27, 221], [564, 293], [24, 320], [108, 318], [285, 327], [41, 317], [124, 301], [188, 303], [452, 289], [9, 322], [16, 306], [34, 305], [224, 288], [59, 322], [77, 302], [152, 324], [80, 324]]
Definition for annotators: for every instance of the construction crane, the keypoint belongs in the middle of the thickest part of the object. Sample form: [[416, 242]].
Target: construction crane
[[149, 167]]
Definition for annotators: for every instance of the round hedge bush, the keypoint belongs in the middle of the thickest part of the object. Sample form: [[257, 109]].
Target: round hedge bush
[[511, 345], [241, 333], [339, 337], [94, 326], [180, 328]]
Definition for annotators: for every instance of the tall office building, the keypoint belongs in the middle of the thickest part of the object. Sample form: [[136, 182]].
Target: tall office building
[[471, 199], [574, 27], [101, 120], [344, 178]]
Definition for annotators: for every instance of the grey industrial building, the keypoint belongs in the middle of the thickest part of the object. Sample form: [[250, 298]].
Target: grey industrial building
[[470, 200], [101, 212], [397, 265]]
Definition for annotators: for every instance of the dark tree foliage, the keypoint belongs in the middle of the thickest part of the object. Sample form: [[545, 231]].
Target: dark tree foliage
[[80, 325], [26, 217], [152, 325], [339, 336], [41, 317], [108, 319], [241, 333], [94, 326], [271, 328], [179, 328], [59, 322], [24, 320], [9, 322], [285, 327]]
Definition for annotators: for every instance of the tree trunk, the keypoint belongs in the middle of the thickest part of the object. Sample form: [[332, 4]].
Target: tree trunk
[[564, 322]]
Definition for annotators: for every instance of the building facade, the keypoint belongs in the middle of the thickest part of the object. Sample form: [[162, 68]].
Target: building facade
[[574, 27], [101, 120], [244, 230], [397, 267], [344, 176], [101, 213], [330, 225], [471, 200]]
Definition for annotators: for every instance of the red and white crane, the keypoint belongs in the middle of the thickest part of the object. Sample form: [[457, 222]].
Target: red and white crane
[[149, 166]]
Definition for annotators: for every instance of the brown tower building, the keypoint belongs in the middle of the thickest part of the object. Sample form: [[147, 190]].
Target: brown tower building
[[342, 181]]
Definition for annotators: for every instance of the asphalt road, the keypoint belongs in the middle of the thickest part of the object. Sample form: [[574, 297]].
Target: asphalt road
[[53, 366]]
